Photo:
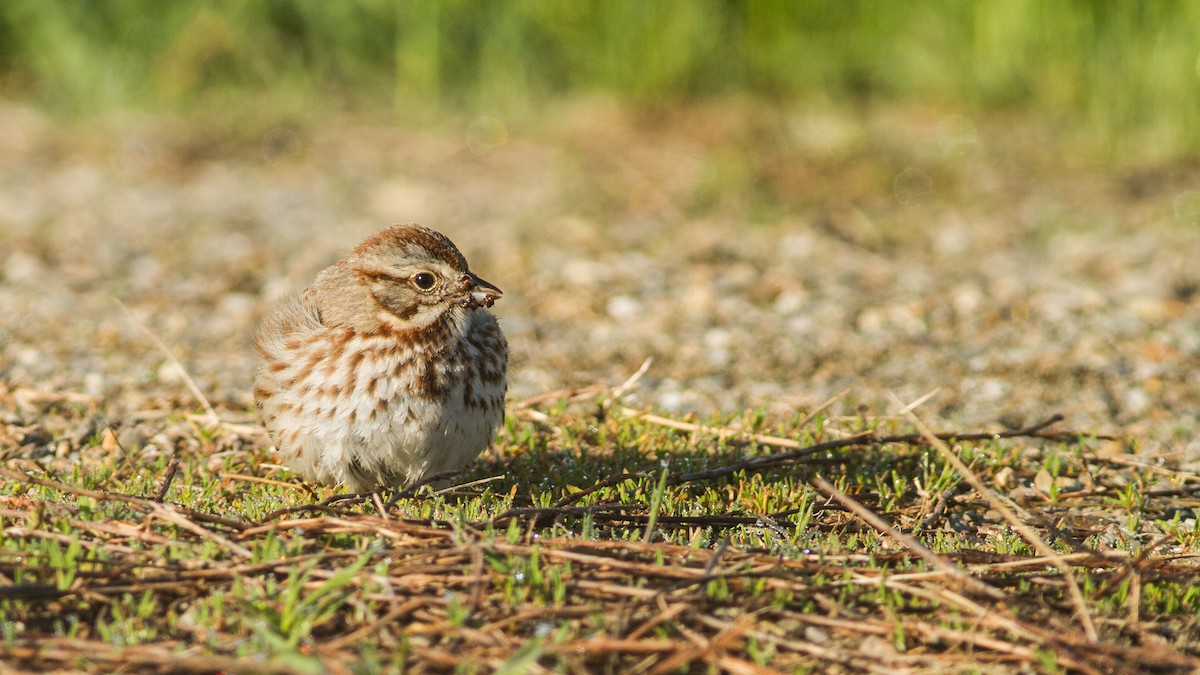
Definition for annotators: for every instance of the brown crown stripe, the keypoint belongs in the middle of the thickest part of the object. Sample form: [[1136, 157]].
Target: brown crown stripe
[[402, 235]]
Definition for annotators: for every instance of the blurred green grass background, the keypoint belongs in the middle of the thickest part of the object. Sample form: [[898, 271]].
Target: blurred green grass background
[[1125, 73]]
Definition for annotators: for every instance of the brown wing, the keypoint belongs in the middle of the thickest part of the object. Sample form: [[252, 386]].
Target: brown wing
[[292, 323]]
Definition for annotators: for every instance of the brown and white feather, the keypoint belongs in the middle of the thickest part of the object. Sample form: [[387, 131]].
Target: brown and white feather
[[367, 381]]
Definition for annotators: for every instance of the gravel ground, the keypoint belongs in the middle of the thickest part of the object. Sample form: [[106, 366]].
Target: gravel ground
[[769, 259]]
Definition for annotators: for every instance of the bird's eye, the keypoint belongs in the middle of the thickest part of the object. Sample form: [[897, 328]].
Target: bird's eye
[[424, 280]]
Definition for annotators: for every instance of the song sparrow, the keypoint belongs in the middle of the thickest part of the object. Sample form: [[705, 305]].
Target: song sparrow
[[386, 369]]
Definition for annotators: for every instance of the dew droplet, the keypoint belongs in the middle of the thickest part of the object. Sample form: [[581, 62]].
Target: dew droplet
[[485, 134], [1187, 208], [912, 186]]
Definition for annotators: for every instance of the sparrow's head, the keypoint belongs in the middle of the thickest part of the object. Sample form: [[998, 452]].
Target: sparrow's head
[[402, 278], [417, 275]]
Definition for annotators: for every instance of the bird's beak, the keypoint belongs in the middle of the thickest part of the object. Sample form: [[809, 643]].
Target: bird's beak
[[482, 293]]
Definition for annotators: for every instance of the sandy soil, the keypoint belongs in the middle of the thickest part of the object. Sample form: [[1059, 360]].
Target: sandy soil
[[763, 258]]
